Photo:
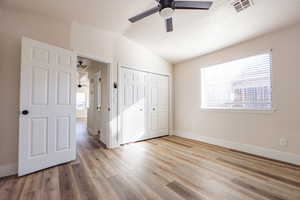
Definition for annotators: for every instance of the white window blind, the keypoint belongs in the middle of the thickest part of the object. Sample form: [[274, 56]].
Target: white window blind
[[240, 84]]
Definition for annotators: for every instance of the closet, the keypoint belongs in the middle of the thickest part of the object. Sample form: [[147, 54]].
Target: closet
[[143, 105]]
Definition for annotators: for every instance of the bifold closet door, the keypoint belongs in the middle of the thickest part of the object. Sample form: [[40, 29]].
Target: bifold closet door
[[133, 105], [144, 105], [158, 105]]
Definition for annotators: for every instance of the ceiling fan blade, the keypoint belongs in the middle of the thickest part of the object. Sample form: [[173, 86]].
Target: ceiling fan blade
[[144, 14], [169, 25], [202, 5]]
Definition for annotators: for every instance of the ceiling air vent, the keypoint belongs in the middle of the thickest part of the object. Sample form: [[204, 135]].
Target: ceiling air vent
[[240, 5]]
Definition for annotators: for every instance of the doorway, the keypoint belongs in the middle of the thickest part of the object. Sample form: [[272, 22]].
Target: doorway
[[92, 99]]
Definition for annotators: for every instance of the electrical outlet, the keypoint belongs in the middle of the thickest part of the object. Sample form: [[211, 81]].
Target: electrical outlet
[[283, 142]]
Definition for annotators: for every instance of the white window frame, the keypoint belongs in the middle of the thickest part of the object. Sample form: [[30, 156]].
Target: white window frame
[[239, 110]]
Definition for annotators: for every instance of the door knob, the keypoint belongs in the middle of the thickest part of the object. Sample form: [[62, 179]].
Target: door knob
[[141, 109], [25, 112], [153, 109]]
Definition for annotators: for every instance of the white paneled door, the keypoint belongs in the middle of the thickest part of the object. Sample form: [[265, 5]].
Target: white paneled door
[[158, 105], [47, 107], [133, 94], [144, 105]]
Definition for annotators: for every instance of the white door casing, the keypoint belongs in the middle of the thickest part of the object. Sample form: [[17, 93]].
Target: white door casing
[[98, 91], [47, 92], [95, 103]]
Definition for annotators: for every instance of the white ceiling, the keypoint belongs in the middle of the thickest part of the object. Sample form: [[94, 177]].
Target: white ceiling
[[200, 32], [195, 32], [109, 15]]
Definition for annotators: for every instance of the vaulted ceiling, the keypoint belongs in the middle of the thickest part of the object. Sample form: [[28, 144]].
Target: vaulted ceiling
[[195, 32], [105, 14]]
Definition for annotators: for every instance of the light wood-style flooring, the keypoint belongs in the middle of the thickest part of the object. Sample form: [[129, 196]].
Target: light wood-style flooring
[[169, 168]]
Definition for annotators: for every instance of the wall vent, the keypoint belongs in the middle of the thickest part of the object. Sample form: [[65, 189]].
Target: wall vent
[[240, 5]]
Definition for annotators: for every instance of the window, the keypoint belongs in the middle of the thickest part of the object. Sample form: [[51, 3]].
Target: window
[[241, 84], [81, 103]]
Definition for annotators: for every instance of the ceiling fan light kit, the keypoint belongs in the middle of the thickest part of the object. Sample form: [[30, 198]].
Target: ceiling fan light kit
[[166, 13], [166, 9]]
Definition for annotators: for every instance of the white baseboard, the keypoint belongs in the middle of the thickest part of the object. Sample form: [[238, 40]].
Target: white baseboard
[[251, 149], [172, 132], [8, 170]]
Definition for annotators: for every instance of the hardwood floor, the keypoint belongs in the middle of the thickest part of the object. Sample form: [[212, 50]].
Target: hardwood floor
[[170, 168]]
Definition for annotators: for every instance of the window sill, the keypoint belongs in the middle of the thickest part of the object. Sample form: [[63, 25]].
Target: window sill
[[238, 110]]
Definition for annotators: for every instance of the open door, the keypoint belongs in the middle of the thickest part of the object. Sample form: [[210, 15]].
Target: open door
[[47, 107]]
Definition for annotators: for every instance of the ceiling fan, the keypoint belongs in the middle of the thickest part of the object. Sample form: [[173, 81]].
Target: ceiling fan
[[81, 69], [81, 66], [166, 9]]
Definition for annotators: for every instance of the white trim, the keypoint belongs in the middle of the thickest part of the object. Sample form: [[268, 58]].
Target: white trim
[[255, 150], [8, 170], [255, 53], [111, 105], [144, 70], [232, 110], [119, 132], [113, 114], [92, 57]]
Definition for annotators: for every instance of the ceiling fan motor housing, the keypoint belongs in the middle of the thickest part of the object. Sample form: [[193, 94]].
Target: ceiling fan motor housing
[[166, 4], [166, 8]]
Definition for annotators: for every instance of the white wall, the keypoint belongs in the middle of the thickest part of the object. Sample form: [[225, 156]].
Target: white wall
[[131, 54], [257, 129], [92, 41]]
